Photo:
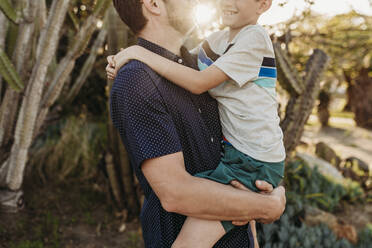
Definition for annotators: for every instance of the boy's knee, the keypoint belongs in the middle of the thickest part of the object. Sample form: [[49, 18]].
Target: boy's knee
[[185, 243], [178, 244]]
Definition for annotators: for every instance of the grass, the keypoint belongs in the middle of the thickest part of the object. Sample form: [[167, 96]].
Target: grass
[[134, 240]]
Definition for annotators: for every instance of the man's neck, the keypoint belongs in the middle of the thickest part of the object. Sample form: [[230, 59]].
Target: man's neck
[[168, 39]]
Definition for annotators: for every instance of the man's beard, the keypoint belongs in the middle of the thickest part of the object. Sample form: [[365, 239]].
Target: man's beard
[[181, 23]]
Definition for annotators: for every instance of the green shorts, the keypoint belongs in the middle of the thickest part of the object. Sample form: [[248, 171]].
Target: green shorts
[[236, 165]]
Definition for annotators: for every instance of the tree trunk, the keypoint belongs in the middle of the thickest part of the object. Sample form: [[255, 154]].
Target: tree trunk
[[323, 108], [361, 101]]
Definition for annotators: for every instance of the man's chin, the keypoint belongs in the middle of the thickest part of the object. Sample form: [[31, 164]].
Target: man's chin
[[183, 30]]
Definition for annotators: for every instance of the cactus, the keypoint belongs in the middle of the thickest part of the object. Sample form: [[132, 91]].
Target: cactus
[[9, 73], [30, 104], [67, 64], [303, 93], [7, 8], [32, 39], [88, 65]]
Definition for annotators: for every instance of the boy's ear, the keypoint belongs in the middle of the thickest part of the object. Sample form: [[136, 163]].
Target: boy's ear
[[264, 6], [152, 6]]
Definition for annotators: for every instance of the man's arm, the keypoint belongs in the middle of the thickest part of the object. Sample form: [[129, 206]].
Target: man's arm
[[182, 193]]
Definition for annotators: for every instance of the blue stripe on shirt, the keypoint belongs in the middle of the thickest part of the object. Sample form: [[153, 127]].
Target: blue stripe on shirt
[[267, 72], [203, 58]]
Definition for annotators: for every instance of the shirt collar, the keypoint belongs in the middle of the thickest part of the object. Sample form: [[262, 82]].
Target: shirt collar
[[185, 59], [240, 33]]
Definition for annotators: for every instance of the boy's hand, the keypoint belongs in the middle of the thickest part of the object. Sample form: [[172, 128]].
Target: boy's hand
[[110, 68], [115, 62]]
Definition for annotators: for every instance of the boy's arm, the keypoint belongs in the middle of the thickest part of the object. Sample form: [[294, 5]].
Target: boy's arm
[[192, 80], [182, 193]]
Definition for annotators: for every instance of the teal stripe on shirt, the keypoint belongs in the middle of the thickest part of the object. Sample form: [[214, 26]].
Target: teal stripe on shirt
[[201, 65], [266, 82]]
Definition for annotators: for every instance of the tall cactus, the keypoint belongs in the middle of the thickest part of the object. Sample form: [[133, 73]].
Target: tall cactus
[[22, 48], [303, 93], [88, 65], [36, 37], [15, 164], [67, 64]]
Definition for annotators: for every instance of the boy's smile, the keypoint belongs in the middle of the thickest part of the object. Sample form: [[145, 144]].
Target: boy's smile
[[239, 13]]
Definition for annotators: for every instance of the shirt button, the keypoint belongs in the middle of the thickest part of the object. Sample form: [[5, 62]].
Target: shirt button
[[212, 139], [180, 61], [199, 110]]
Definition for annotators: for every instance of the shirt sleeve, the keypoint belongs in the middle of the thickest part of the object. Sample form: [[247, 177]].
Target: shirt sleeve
[[195, 50], [141, 117], [246, 59]]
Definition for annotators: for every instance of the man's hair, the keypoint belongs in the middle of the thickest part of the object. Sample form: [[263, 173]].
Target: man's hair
[[130, 11]]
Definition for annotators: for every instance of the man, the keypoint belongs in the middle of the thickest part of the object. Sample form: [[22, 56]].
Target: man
[[171, 134]]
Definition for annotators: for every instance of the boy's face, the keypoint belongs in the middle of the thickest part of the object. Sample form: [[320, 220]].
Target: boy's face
[[239, 13]]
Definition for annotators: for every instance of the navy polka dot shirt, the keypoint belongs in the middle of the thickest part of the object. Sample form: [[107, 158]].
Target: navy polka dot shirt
[[156, 118]]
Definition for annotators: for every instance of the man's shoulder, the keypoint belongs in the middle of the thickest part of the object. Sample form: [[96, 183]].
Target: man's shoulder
[[134, 70], [135, 83], [135, 76]]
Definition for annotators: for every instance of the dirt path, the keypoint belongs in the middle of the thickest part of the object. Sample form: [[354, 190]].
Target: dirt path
[[342, 136]]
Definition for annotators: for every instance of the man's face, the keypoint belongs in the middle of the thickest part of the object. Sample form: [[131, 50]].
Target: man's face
[[180, 14], [239, 13]]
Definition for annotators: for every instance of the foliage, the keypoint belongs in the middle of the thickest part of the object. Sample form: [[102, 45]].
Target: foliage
[[308, 187], [72, 147], [290, 232]]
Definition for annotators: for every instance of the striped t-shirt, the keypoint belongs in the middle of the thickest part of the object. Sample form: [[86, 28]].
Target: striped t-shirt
[[247, 103]]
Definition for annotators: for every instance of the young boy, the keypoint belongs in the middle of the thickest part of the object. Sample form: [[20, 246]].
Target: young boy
[[238, 69]]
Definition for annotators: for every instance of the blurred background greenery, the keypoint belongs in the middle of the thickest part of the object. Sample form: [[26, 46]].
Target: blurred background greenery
[[65, 180]]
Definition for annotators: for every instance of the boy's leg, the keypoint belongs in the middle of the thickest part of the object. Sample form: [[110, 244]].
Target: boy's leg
[[198, 233], [252, 224]]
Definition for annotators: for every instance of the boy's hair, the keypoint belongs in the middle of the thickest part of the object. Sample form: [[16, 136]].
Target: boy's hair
[[130, 12]]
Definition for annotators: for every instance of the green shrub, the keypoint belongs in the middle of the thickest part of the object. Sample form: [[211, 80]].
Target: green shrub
[[306, 186]]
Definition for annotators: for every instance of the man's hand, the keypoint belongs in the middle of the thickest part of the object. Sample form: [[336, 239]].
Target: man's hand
[[277, 196], [265, 188], [277, 205]]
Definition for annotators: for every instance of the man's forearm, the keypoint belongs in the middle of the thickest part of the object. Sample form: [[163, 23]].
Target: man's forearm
[[203, 198], [182, 193]]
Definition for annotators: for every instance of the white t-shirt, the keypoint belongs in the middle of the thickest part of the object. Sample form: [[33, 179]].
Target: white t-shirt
[[247, 103]]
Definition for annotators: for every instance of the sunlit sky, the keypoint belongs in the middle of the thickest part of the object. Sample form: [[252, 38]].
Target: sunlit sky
[[328, 7]]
